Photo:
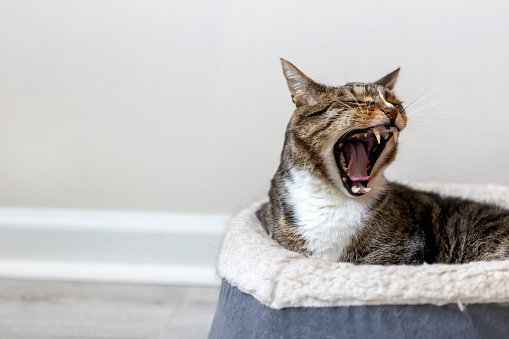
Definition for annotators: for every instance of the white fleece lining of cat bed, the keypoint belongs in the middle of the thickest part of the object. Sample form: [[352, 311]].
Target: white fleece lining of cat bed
[[278, 278]]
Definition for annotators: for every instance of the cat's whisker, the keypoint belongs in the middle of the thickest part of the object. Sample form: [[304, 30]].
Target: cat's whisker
[[428, 106], [426, 119], [344, 74], [360, 107], [359, 115], [438, 122], [431, 113], [441, 100], [344, 103], [414, 130], [418, 129], [415, 122], [417, 133], [353, 109], [367, 109], [329, 82], [421, 97]]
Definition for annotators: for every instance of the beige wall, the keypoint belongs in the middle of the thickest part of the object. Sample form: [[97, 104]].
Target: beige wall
[[181, 105]]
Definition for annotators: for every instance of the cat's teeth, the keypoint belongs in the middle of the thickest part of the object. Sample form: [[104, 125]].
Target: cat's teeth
[[386, 136], [343, 163], [355, 189], [367, 189], [377, 134], [343, 166], [395, 133], [366, 134]]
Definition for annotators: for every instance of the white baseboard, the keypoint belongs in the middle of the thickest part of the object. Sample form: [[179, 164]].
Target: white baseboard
[[109, 272], [120, 247]]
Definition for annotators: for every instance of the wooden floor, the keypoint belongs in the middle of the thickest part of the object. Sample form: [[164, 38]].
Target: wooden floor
[[31, 309]]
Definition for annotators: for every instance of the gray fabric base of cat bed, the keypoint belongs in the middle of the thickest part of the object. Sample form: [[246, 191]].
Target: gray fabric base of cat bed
[[240, 315]]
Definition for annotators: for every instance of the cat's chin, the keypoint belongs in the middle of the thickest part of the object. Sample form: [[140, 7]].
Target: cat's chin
[[356, 153]]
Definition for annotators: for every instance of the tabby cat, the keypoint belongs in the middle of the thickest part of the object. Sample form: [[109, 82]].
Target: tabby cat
[[329, 198]]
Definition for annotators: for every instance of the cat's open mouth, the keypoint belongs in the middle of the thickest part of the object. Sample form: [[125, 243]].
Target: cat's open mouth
[[356, 154]]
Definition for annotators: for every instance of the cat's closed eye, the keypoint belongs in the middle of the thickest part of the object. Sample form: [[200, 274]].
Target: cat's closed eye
[[317, 113], [367, 103]]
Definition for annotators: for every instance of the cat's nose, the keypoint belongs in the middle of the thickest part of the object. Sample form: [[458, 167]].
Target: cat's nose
[[391, 112]]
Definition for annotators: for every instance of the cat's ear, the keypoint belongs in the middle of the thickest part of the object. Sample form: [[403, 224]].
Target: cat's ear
[[304, 91], [389, 80]]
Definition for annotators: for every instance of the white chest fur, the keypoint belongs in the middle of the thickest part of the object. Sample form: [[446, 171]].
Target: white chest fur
[[327, 218]]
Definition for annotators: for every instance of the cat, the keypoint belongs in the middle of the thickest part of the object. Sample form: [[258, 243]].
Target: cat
[[329, 198]]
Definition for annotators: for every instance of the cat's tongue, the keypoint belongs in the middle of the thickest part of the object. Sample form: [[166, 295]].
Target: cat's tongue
[[357, 160]]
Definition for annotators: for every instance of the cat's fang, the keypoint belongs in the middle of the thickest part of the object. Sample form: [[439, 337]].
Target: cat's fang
[[367, 189], [355, 189], [395, 133], [377, 134]]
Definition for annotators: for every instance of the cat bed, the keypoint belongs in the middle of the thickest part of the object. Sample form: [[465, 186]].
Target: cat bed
[[270, 292]]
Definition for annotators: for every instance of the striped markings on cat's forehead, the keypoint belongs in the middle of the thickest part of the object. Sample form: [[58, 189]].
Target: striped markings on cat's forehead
[[361, 90], [387, 104]]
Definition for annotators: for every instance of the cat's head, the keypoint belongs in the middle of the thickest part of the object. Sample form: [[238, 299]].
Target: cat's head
[[346, 135]]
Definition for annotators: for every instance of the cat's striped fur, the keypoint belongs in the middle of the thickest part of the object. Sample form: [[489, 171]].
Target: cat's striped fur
[[329, 200]]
